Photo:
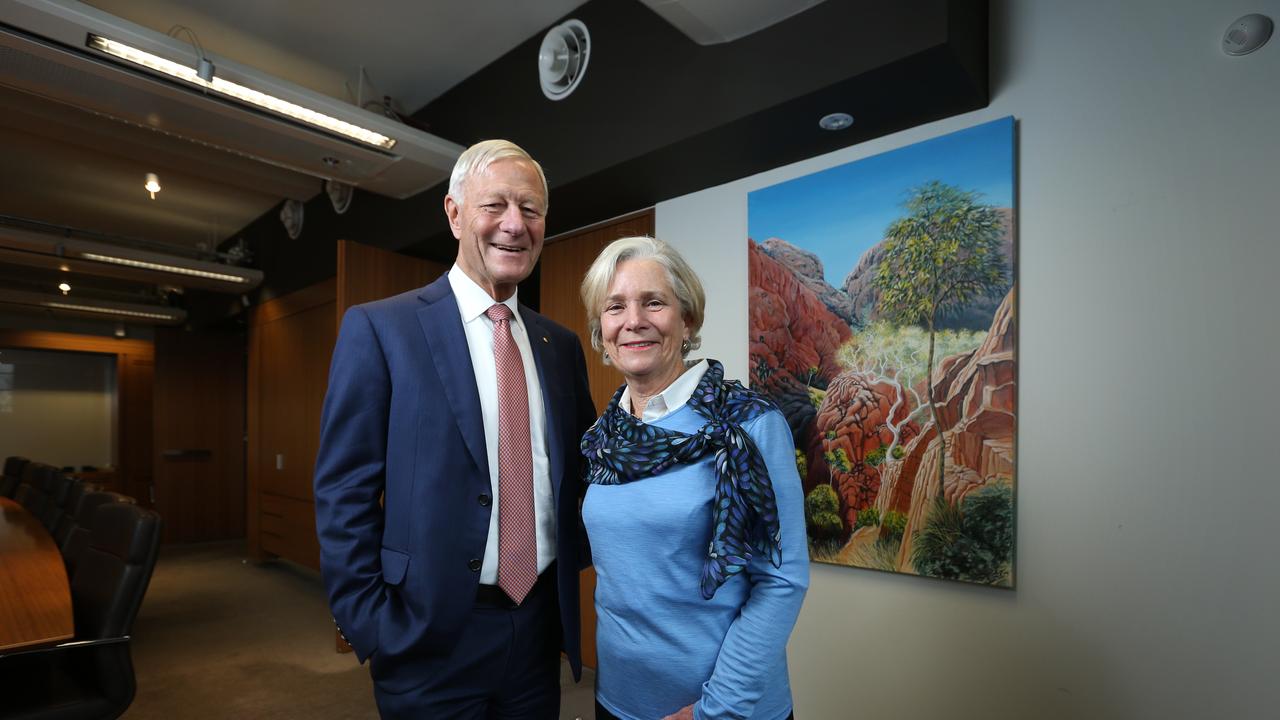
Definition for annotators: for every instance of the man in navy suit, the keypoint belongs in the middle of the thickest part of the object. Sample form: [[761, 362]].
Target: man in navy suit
[[412, 417]]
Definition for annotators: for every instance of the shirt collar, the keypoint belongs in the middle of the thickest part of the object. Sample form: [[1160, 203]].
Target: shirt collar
[[473, 301], [671, 399]]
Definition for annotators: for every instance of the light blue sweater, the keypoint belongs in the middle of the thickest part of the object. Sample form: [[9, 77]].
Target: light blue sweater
[[661, 646]]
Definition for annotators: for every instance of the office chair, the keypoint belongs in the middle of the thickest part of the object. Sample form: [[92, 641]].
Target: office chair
[[90, 677], [13, 466], [67, 520], [57, 489], [76, 540]]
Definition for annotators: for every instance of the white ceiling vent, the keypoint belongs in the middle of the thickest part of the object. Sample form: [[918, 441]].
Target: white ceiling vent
[[562, 59]]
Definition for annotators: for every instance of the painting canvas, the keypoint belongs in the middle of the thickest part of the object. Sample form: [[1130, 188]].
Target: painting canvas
[[882, 322]]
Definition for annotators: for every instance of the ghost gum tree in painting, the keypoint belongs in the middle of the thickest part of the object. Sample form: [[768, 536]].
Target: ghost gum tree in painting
[[942, 255]]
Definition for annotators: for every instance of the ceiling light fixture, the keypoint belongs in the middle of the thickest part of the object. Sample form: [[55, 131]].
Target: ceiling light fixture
[[835, 121], [239, 92], [109, 311], [64, 287], [224, 277], [153, 184], [99, 308]]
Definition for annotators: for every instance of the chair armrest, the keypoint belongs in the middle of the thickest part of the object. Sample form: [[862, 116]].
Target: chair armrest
[[61, 647]]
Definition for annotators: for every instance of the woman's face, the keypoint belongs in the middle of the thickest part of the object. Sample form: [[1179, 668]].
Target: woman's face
[[642, 326]]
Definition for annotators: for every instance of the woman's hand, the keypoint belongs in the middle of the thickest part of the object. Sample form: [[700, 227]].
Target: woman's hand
[[684, 713]]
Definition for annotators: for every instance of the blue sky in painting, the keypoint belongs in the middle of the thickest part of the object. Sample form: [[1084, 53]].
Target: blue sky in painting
[[840, 212]]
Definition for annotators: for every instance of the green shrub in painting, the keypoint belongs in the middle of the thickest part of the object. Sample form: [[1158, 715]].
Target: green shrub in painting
[[821, 499], [822, 511], [875, 457], [972, 542], [894, 525], [868, 517]]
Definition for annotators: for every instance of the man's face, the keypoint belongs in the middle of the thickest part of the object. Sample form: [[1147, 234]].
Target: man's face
[[499, 225]]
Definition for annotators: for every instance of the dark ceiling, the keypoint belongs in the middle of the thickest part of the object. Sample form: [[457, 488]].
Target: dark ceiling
[[658, 116]]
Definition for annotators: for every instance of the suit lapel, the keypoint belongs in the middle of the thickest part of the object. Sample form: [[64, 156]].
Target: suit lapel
[[442, 326], [544, 356]]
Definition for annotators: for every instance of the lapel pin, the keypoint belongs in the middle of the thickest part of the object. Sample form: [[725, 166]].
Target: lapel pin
[[544, 339]]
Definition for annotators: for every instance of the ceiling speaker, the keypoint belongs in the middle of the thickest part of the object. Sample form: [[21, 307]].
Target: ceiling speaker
[[562, 59], [1247, 34], [340, 195]]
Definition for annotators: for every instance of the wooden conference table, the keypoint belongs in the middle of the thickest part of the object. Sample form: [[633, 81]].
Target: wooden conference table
[[35, 598]]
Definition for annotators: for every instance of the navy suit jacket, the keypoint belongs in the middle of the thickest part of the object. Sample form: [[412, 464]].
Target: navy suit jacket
[[402, 420]]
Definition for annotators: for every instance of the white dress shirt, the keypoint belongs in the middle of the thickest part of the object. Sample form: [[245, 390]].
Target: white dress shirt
[[473, 302], [671, 399]]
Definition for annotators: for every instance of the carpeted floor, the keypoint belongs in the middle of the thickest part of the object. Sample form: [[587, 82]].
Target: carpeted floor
[[221, 637]]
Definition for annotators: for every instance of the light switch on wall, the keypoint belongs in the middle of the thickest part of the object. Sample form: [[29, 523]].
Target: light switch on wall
[[279, 461]]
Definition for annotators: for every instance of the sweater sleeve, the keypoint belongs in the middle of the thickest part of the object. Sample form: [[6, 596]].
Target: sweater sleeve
[[757, 639]]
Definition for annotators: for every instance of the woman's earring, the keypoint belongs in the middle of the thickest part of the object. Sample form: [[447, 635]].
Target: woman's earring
[[686, 346]]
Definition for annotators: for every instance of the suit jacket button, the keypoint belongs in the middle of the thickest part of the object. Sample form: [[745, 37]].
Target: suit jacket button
[[484, 499], [474, 564]]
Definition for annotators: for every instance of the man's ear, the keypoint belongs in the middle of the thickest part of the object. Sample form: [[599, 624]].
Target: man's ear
[[453, 211]]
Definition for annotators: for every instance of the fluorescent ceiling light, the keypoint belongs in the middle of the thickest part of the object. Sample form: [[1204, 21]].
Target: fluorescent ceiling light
[[240, 92], [224, 277], [103, 308], [109, 311]]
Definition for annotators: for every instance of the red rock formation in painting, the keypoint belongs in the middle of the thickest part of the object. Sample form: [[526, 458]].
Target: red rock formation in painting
[[808, 270], [793, 343], [850, 423], [975, 395]]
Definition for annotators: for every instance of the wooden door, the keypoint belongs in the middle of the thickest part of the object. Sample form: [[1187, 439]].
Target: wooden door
[[198, 434], [565, 260]]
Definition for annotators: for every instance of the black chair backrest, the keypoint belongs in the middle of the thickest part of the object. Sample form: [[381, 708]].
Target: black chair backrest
[[8, 485], [112, 577], [33, 473], [30, 498], [77, 537], [13, 466], [57, 487], [34, 500], [67, 519]]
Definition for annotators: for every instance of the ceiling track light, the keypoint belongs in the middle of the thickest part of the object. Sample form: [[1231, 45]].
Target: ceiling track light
[[72, 254], [249, 96], [94, 308], [152, 185], [190, 272]]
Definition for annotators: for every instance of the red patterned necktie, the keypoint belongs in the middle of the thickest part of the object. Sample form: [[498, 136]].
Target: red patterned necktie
[[517, 542]]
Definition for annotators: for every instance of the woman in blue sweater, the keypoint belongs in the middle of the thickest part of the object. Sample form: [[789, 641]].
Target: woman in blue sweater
[[694, 509]]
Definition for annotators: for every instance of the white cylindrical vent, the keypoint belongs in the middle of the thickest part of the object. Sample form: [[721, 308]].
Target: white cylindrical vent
[[562, 59]]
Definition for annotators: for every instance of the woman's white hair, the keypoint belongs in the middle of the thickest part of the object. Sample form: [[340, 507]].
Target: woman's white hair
[[683, 280], [478, 158]]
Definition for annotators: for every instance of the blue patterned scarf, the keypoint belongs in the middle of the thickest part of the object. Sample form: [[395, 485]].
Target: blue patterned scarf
[[620, 449]]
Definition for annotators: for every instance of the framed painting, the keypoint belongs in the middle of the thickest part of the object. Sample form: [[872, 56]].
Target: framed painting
[[883, 323]]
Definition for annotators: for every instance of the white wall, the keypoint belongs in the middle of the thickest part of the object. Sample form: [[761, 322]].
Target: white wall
[[57, 407], [1148, 563]]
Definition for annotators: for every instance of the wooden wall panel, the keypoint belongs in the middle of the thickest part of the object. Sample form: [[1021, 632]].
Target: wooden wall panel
[[135, 426], [367, 273], [290, 342], [565, 260], [199, 434]]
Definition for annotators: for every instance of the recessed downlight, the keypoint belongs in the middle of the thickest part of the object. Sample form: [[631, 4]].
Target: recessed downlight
[[835, 121]]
